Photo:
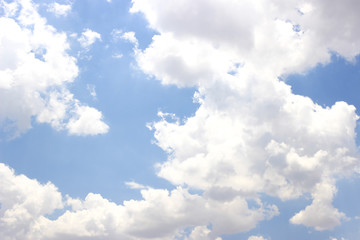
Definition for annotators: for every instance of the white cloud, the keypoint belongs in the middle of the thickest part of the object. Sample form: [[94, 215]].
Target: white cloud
[[260, 25], [62, 111], [88, 37], [23, 202], [320, 214], [135, 185], [9, 9], [251, 134], [86, 121], [59, 9], [161, 214], [256, 238], [117, 55], [116, 34], [130, 36], [36, 71], [201, 233]]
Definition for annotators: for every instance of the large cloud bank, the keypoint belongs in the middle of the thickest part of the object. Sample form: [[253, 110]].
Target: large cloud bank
[[162, 214], [250, 134], [35, 70]]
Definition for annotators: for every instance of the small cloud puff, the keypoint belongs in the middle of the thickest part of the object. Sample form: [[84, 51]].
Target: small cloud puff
[[256, 238], [87, 121], [91, 89], [117, 55], [118, 34], [59, 9], [135, 185], [130, 36], [89, 37]]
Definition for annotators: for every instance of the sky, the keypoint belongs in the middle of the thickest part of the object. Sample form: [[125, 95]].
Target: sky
[[184, 120]]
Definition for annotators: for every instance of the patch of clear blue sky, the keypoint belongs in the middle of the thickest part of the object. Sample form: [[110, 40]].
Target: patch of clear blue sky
[[327, 84]]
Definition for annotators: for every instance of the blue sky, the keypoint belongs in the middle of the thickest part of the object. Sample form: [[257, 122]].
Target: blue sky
[[179, 120]]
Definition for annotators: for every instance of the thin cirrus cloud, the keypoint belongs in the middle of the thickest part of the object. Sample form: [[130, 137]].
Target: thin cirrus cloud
[[36, 74], [250, 135]]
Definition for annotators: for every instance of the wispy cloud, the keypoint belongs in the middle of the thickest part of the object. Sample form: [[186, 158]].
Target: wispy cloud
[[59, 9]]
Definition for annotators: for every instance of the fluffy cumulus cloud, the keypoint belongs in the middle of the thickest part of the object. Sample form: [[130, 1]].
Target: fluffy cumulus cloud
[[87, 121], [250, 134], [35, 75], [23, 202], [161, 214], [280, 36], [320, 214]]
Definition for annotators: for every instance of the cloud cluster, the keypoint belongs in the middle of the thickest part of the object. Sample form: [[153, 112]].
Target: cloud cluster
[[162, 214], [35, 75], [278, 36], [251, 134]]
